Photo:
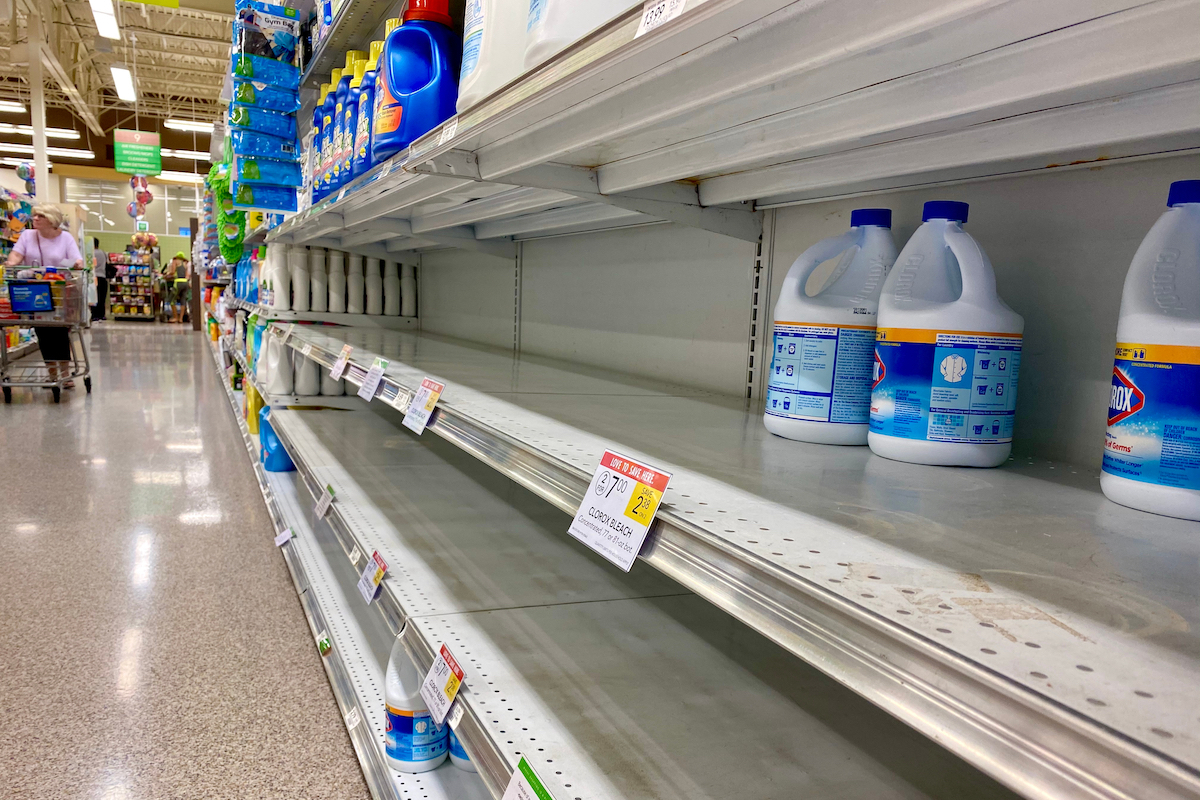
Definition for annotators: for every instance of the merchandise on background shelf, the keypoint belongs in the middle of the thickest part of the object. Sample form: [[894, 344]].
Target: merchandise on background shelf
[[274, 457], [263, 95], [493, 47], [458, 756], [373, 282], [266, 70], [329, 140], [307, 380], [350, 121], [297, 264], [337, 282], [819, 384], [363, 160], [1152, 446], [391, 289], [413, 742], [260, 145], [355, 284], [272, 123], [416, 83], [341, 99], [330, 387], [318, 275], [408, 291], [279, 366], [323, 125], [249, 170], [947, 351], [553, 25], [263, 196], [281, 277]]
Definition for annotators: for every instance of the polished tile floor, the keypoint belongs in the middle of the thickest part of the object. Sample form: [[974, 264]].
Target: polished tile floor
[[153, 645]]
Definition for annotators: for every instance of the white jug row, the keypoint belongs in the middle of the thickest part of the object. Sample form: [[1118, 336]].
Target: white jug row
[[297, 278]]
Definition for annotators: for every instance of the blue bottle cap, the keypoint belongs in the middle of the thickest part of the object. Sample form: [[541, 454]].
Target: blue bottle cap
[[945, 209], [1183, 192], [871, 216]]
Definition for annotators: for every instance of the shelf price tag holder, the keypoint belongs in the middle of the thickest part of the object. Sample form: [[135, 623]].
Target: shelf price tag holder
[[324, 502], [339, 367], [421, 408], [284, 537], [658, 12], [525, 784], [441, 684], [307, 349], [370, 385], [619, 507], [372, 576]]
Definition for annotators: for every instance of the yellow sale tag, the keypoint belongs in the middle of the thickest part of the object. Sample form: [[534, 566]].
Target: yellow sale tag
[[452, 686], [643, 502]]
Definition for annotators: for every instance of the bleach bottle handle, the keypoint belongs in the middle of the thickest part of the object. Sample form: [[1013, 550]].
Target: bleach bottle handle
[[819, 253], [978, 279]]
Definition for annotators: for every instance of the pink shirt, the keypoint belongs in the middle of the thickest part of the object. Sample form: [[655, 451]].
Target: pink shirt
[[46, 252]]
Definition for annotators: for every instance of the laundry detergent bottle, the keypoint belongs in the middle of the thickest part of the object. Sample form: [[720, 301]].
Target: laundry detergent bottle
[[819, 387], [413, 743], [416, 82], [318, 144], [366, 114], [341, 98], [947, 351], [329, 132], [350, 117], [1152, 446]]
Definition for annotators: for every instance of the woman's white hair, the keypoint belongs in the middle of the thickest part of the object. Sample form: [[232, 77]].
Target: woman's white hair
[[51, 213]]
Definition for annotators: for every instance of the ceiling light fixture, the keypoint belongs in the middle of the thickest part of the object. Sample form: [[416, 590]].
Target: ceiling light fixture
[[106, 19], [27, 130], [188, 125], [61, 152], [8, 161], [194, 155], [123, 79], [12, 107], [180, 177]]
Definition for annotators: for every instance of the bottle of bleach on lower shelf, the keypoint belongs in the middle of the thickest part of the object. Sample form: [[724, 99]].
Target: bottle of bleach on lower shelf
[[947, 351], [819, 386], [1152, 447], [458, 755], [414, 743]]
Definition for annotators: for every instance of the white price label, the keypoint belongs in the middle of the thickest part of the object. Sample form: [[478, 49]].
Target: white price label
[[455, 716], [370, 385], [284, 537], [618, 508], [287, 332], [525, 784], [353, 718], [355, 554], [448, 131], [324, 643], [658, 12], [441, 685], [307, 349], [324, 502], [372, 575], [339, 367], [421, 408], [342, 193]]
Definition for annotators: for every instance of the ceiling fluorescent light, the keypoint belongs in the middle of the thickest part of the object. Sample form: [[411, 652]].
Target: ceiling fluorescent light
[[188, 125], [15, 162], [105, 17], [27, 130], [194, 155], [12, 107], [180, 177], [61, 152], [123, 79]]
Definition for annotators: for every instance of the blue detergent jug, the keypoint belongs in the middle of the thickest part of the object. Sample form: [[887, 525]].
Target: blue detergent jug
[[274, 457], [350, 121], [328, 109], [362, 160], [341, 95], [314, 162], [416, 82]]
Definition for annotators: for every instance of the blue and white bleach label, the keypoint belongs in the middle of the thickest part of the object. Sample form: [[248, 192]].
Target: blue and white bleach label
[[821, 373], [456, 748], [473, 23], [413, 736], [1154, 415], [945, 386], [537, 8]]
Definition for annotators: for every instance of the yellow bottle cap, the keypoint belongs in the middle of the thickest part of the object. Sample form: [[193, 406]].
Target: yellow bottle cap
[[376, 51], [326, 88], [391, 25], [360, 69], [351, 57], [372, 65], [335, 76]]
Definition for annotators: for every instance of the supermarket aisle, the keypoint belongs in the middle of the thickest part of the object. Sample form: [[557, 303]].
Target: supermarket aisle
[[154, 646]]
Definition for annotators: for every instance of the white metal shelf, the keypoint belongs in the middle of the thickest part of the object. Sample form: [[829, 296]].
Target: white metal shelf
[[778, 101], [353, 320], [355, 677], [613, 685], [1014, 615]]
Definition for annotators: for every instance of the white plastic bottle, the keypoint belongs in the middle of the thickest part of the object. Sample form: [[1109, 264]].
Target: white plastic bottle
[[947, 351], [298, 269], [552, 25], [493, 47], [318, 277], [355, 284], [337, 282], [408, 291], [330, 387], [819, 386], [374, 286], [413, 742], [279, 366], [281, 289], [391, 289], [307, 380], [458, 756], [1152, 446]]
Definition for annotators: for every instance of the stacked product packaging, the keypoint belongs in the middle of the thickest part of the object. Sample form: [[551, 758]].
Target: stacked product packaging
[[264, 156]]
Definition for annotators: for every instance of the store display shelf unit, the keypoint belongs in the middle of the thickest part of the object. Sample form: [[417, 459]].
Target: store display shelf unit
[[22, 350], [711, 117], [284, 400], [355, 681], [351, 320], [1046, 693]]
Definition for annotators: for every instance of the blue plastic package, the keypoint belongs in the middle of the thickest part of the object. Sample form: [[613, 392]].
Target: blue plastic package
[[261, 145], [265, 70], [267, 31], [264, 95], [274, 457], [257, 119], [264, 197], [266, 170]]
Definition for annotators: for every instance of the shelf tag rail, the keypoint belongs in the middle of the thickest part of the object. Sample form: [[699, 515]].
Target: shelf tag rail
[[619, 507], [658, 12]]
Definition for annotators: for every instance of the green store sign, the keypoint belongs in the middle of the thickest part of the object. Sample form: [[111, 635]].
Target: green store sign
[[137, 152]]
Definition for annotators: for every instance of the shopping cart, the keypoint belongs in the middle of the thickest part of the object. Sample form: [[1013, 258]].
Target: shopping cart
[[45, 299]]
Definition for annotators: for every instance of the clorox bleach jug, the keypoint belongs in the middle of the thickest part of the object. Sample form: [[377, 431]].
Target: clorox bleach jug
[[1152, 447], [413, 742], [947, 351], [458, 756], [554, 24], [819, 387], [493, 47]]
